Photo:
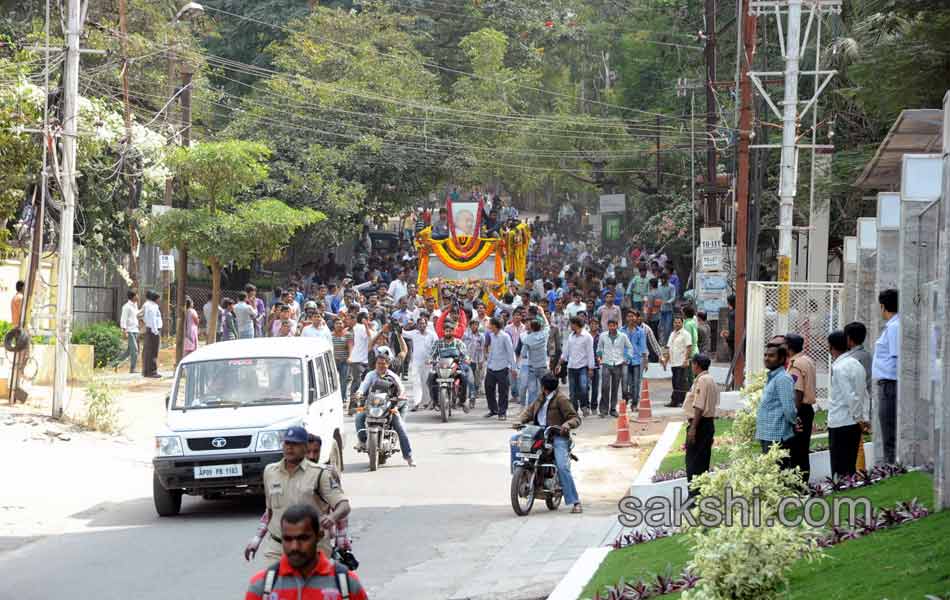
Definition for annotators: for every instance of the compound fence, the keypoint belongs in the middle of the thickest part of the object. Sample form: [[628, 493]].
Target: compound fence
[[812, 310]]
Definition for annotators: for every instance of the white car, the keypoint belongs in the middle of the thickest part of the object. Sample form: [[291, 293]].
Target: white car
[[229, 407]]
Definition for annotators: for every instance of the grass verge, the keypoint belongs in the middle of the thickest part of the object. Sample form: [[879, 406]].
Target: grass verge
[[645, 561]]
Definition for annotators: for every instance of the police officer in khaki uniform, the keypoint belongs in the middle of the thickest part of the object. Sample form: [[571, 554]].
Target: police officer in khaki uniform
[[294, 480]]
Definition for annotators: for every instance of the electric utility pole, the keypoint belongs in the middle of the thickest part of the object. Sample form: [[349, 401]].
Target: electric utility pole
[[64, 290], [711, 205], [127, 159], [793, 48], [182, 276]]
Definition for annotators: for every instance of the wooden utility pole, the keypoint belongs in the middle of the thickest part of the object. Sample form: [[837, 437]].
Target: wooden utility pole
[[711, 217], [182, 275], [130, 180], [742, 183]]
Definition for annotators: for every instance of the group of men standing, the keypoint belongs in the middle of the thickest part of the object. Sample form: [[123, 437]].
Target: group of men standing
[[786, 411]]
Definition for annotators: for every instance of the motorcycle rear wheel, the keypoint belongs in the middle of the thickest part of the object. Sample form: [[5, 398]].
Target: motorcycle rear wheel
[[521, 483], [371, 448]]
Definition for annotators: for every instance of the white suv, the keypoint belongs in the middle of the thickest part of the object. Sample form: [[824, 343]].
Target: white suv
[[229, 407]]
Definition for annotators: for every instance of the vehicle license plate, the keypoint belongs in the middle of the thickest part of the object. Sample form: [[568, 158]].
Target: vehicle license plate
[[527, 454], [211, 471]]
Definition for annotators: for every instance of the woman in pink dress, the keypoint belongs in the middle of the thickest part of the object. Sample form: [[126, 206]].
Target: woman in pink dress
[[191, 328]]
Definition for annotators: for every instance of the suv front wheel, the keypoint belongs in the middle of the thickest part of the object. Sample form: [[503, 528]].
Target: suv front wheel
[[167, 502]]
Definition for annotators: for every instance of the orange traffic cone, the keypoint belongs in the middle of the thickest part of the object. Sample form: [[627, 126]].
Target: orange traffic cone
[[645, 409], [623, 428]]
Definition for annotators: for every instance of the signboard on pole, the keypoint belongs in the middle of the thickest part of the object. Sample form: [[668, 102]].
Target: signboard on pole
[[613, 203], [611, 225], [166, 262], [710, 249]]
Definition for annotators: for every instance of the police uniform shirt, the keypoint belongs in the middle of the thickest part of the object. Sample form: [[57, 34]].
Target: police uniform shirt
[[803, 372], [309, 484], [704, 395]]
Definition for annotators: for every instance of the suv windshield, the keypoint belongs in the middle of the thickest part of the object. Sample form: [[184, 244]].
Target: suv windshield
[[239, 382]]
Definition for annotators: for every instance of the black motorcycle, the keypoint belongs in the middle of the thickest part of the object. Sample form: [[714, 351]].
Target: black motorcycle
[[448, 380], [535, 471], [381, 439]]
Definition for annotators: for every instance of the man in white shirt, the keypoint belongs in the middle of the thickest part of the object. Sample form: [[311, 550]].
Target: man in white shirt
[[679, 350], [848, 410], [398, 288], [578, 358], [576, 306], [152, 319], [129, 323], [422, 337], [359, 353]]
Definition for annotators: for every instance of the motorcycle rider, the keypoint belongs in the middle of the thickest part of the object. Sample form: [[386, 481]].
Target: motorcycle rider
[[381, 376], [448, 343], [551, 409]]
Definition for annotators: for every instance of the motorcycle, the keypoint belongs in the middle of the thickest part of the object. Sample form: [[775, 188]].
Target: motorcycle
[[535, 471], [448, 378], [381, 439]]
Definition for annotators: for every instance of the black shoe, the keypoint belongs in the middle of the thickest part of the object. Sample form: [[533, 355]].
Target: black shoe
[[613, 413], [603, 415], [502, 417], [490, 415]]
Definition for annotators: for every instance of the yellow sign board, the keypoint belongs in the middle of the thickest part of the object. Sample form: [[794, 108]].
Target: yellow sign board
[[784, 279]]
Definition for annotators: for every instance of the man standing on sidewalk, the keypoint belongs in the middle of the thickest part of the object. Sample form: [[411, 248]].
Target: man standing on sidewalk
[[637, 359], [847, 413], [678, 350], [129, 323], [884, 370], [152, 319], [578, 358], [613, 348], [700, 407], [499, 366], [803, 372], [776, 418]]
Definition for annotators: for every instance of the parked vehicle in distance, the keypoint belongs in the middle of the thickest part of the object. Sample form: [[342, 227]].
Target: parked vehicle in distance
[[228, 409]]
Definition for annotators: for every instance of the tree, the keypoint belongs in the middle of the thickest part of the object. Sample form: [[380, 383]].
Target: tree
[[219, 229]]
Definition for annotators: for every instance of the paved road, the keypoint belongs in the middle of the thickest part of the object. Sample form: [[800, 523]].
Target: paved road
[[444, 530]]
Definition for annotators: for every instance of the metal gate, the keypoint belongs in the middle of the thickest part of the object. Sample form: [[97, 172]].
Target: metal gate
[[812, 310]]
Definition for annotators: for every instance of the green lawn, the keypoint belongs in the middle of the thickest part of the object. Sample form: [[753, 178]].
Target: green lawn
[[644, 561]]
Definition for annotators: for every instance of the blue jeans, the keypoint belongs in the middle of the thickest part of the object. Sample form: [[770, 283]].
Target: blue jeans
[[131, 352], [246, 334], [360, 422], [562, 458], [666, 326], [530, 383], [594, 389], [632, 384], [577, 384], [343, 370]]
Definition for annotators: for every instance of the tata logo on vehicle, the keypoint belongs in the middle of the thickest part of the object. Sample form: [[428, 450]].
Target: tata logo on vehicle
[[219, 442]]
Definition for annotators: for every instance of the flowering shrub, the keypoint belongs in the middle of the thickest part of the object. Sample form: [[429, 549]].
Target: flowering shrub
[[641, 537], [748, 563], [743, 426], [643, 589]]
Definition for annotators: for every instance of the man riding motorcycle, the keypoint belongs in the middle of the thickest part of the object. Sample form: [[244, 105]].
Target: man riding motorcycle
[[450, 344], [554, 410], [382, 377]]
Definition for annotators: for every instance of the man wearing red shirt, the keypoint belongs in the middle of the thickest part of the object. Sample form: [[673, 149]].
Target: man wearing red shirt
[[304, 572]]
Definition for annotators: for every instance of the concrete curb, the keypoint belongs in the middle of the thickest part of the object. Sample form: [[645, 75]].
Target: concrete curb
[[571, 587]]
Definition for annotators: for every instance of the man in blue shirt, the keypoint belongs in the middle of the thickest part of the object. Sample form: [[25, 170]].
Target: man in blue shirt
[[884, 370], [637, 358], [667, 295], [499, 369], [777, 417]]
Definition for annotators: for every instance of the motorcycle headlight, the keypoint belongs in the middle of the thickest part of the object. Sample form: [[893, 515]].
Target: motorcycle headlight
[[525, 444], [445, 373], [270, 441], [168, 446], [376, 412]]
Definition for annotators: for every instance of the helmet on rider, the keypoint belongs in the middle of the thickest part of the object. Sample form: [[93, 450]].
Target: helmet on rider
[[310, 306], [384, 353]]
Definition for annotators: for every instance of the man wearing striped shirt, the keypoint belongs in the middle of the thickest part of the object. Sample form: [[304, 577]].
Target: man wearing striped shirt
[[777, 417]]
